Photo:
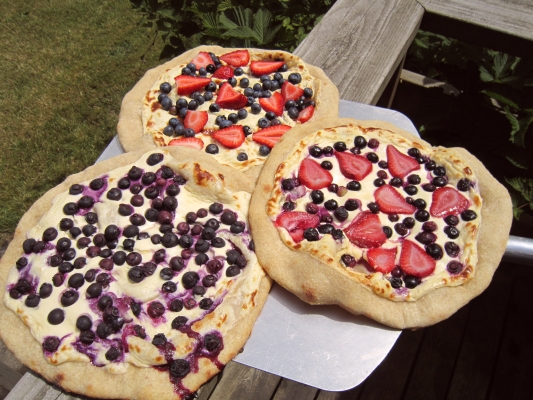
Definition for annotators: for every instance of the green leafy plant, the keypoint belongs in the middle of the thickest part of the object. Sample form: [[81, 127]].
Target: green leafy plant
[[493, 114], [277, 24]]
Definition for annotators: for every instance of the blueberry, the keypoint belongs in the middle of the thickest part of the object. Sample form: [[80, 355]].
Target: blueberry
[[264, 150], [411, 281], [373, 143], [317, 196], [434, 250], [468, 215], [190, 279], [341, 214], [56, 316], [373, 207], [396, 182], [451, 220], [212, 149], [242, 156], [353, 185], [360, 142], [454, 267], [401, 229], [464, 185], [421, 215], [372, 157], [255, 108], [295, 78], [179, 368]]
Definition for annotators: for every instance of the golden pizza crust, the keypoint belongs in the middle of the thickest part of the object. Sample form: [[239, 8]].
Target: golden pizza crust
[[134, 136], [308, 276], [133, 382]]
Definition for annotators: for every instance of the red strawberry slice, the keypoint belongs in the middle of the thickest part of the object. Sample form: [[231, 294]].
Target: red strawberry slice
[[400, 164], [274, 103], [271, 135], [382, 260], [194, 142], [353, 166], [306, 114], [447, 201], [187, 84], [202, 60], [290, 91], [312, 175], [390, 201], [415, 261], [229, 98], [238, 58], [296, 222], [366, 231], [195, 120], [265, 67], [231, 137], [224, 72]]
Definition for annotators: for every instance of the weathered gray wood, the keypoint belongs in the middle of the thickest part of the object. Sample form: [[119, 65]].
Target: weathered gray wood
[[499, 25], [8, 376], [291, 390], [351, 394], [359, 44], [512, 17], [31, 386], [205, 391], [241, 382]]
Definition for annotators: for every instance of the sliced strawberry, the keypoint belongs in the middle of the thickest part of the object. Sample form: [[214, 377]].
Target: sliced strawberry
[[353, 166], [306, 114], [265, 67], [290, 91], [390, 201], [231, 137], [447, 201], [237, 58], [400, 164], [195, 120], [366, 231], [224, 72], [271, 135], [312, 175], [296, 222], [415, 261], [202, 60], [187, 84], [194, 142], [229, 98], [382, 260], [274, 103]]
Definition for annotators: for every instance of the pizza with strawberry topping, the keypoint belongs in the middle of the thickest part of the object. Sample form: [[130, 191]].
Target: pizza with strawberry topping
[[136, 278], [367, 216], [234, 104]]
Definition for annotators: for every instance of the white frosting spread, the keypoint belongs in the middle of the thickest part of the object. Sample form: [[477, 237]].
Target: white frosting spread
[[137, 351]]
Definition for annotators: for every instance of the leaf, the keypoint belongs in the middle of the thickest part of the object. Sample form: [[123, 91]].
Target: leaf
[[519, 127], [518, 162], [226, 23], [501, 98], [484, 75], [262, 27], [241, 32], [516, 199], [524, 186]]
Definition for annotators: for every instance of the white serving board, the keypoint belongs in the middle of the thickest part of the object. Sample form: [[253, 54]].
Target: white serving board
[[321, 346]]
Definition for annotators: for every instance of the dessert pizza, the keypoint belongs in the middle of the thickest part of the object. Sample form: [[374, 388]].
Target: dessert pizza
[[234, 104], [135, 278], [367, 216]]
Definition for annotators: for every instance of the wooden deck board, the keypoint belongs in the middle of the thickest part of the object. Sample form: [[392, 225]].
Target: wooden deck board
[[477, 357], [513, 370], [290, 390], [360, 43]]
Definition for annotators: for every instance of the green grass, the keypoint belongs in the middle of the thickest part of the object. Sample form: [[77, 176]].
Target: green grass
[[64, 69]]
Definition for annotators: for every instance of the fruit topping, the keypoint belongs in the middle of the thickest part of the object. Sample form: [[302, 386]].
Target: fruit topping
[[269, 136], [274, 103], [390, 201], [187, 84], [195, 120], [353, 166], [202, 60], [400, 164], [447, 201], [265, 67], [237, 58], [224, 72], [194, 142], [229, 98], [290, 91], [296, 222], [312, 175], [415, 261], [366, 231], [231, 137], [306, 114], [382, 260]]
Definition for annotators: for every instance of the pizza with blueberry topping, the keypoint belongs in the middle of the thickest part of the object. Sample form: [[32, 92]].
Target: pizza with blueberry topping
[[234, 104], [136, 278], [374, 219]]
